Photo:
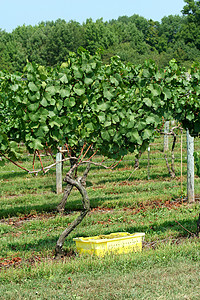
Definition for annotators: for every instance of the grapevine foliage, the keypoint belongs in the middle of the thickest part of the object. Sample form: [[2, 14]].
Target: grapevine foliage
[[114, 107], [197, 162]]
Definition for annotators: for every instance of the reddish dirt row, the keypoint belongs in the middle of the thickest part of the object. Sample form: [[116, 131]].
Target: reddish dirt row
[[140, 207], [17, 222], [17, 261]]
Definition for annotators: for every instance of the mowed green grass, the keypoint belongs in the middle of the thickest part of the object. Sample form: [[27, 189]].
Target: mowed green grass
[[121, 200]]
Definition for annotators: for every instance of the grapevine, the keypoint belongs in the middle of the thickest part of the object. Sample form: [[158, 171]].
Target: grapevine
[[90, 108]]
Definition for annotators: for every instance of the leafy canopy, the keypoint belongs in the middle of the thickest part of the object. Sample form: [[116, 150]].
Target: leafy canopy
[[114, 107]]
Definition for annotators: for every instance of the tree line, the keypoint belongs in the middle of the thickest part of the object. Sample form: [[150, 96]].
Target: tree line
[[134, 39]]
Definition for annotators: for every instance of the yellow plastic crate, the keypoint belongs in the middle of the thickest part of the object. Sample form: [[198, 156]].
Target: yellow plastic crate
[[119, 242]]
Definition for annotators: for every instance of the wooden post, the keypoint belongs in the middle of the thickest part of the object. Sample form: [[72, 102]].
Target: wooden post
[[190, 167], [59, 173], [182, 166], [173, 123], [148, 163], [166, 130]]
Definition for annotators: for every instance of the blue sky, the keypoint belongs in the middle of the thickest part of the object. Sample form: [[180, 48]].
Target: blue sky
[[15, 13]]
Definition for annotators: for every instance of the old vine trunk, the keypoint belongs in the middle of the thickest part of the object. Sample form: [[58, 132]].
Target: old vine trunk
[[80, 184]]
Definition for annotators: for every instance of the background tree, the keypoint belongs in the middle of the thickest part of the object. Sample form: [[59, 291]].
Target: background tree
[[168, 31], [98, 35], [191, 29], [192, 11], [133, 38], [61, 39]]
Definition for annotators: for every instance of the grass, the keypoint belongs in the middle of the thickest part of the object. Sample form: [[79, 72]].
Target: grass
[[121, 200]]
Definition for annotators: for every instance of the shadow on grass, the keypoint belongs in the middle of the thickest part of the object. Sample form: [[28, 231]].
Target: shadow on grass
[[139, 177], [134, 177], [94, 202], [15, 174], [74, 205], [49, 243], [25, 210], [10, 175], [159, 229], [39, 245], [49, 188], [30, 190]]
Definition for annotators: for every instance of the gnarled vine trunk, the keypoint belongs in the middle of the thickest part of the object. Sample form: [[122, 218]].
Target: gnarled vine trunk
[[66, 194], [172, 169], [137, 163], [68, 188], [80, 184]]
